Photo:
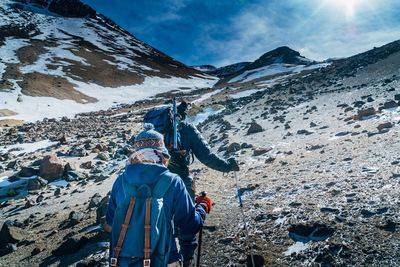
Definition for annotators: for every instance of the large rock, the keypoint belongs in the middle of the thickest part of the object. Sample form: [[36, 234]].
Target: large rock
[[365, 112], [75, 217], [51, 168], [389, 104], [261, 151], [102, 210], [95, 201], [233, 147], [36, 184], [10, 233], [28, 172], [254, 128]]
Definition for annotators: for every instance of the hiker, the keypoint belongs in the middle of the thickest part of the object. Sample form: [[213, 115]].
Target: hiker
[[190, 141], [149, 235]]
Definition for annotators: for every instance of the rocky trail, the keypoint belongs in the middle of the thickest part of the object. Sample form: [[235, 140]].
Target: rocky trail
[[320, 176]]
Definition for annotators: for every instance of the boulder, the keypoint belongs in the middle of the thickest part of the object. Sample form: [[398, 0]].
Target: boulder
[[10, 233], [36, 184], [87, 165], [389, 104], [365, 112], [383, 126], [75, 217], [95, 201], [233, 147], [51, 168], [254, 128], [28, 172], [7, 249], [261, 151], [103, 156], [102, 210]]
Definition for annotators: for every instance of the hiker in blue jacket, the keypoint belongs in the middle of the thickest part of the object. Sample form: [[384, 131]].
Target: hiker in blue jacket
[[148, 166]]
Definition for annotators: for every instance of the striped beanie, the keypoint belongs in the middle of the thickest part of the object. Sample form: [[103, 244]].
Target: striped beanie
[[150, 138]]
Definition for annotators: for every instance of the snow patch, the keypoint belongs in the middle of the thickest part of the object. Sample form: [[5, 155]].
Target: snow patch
[[18, 149], [274, 69], [296, 248], [36, 108], [203, 116]]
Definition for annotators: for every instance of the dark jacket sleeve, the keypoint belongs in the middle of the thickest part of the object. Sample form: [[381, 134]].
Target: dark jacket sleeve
[[188, 217], [203, 152]]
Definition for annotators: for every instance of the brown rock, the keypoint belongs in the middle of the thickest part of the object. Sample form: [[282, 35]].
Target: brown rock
[[254, 128], [385, 125], [87, 165], [365, 112], [36, 184], [51, 168]]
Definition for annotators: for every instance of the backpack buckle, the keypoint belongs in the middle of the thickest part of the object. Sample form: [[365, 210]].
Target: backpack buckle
[[146, 263], [113, 262]]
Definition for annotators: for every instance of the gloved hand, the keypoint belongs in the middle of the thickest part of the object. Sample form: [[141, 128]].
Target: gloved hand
[[204, 201], [233, 164]]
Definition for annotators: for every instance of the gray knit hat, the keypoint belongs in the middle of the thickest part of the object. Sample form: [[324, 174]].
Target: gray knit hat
[[150, 138]]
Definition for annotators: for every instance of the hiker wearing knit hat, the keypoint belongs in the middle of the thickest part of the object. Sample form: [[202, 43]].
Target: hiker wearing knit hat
[[149, 148], [146, 202]]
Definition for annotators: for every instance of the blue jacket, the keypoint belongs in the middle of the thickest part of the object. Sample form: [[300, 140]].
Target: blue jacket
[[192, 141], [178, 205]]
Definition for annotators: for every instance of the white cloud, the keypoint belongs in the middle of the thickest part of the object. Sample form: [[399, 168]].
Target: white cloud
[[318, 34]]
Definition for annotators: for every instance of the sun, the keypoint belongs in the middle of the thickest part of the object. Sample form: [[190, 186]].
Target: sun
[[348, 6]]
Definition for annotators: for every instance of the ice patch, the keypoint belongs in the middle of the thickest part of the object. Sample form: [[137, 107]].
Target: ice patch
[[59, 183], [296, 248], [18, 149]]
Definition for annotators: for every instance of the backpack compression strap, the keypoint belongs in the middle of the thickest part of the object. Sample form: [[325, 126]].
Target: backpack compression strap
[[147, 229], [121, 238]]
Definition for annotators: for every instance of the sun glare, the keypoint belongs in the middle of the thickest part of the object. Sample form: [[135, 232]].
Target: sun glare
[[349, 6]]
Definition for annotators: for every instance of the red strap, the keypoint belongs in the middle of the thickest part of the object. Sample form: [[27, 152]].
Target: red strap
[[124, 229]]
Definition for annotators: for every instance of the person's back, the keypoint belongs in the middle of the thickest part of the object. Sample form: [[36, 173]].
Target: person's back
[[147, 176]]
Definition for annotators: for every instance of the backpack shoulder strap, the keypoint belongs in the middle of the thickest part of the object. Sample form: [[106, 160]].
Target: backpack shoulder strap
[[147, 234], [162, 185], [124, 229]]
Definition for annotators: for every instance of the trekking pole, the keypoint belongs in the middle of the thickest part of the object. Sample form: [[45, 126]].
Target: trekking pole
[[239, 196], [203, 194], [175, 123]]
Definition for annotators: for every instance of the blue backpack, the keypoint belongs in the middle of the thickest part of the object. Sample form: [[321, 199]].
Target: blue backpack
[[161, 118], [141, 221]]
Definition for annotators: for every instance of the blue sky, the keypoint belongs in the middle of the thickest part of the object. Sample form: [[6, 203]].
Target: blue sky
[[222, 32]]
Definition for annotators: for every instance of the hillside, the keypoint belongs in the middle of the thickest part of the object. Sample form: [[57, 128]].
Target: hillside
[[319, 171], [59, 58]]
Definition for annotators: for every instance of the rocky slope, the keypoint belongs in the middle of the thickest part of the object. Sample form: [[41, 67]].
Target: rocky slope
[[320, 172], [60, 57]]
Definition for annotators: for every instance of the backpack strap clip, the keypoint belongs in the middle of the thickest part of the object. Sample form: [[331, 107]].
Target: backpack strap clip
[[113, 262]]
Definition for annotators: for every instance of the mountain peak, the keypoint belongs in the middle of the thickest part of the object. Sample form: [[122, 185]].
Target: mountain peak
[[283, 54], [65, 8]]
